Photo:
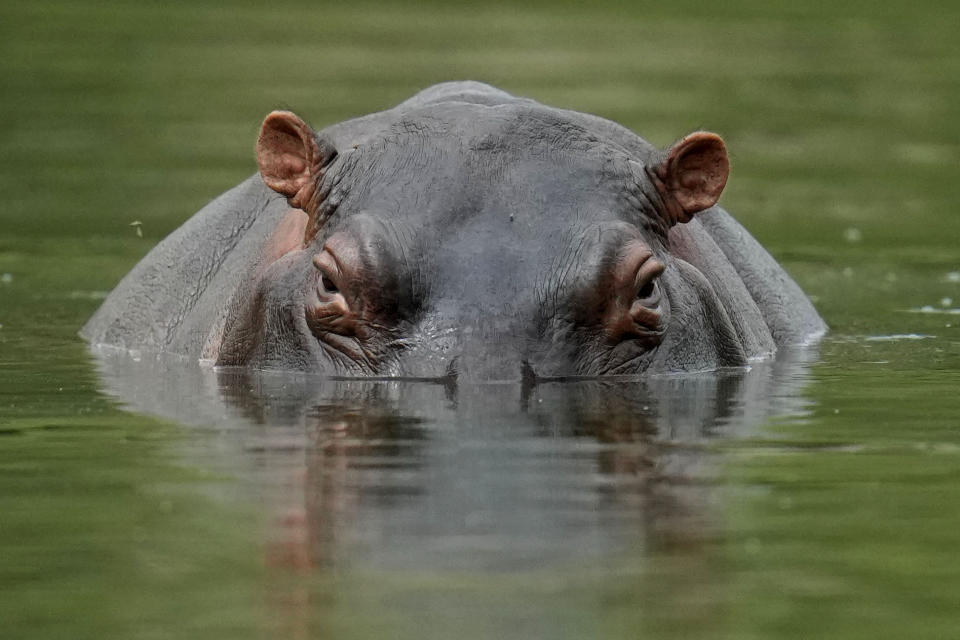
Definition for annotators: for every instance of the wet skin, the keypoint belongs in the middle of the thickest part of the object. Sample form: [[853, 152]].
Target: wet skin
[[469, 234]]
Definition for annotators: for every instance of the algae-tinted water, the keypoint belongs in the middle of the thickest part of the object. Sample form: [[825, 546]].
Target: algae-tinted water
[[812, 497]]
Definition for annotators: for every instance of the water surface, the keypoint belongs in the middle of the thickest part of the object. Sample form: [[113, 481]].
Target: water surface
[[812, 496]]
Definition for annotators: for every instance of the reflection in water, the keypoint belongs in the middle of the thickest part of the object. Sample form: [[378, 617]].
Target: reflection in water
[[397, 476]]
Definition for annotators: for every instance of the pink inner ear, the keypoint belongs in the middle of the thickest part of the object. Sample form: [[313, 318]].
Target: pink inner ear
[[289, 164], [284, 152], [697, 171]]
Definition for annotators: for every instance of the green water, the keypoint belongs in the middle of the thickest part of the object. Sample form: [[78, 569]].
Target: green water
[[833, 517]]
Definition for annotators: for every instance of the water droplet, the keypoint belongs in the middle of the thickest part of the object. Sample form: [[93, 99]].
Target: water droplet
[[6, 278], [852, 235], [946, 302]]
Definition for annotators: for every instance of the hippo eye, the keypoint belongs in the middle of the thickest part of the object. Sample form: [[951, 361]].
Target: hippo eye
[[327, 266], [636, 310], [647, 290], [330, 312], [328, 284]]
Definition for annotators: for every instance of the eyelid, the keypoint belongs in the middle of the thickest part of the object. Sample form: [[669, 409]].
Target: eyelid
[[327, 264], [634, 257], [650, 270]]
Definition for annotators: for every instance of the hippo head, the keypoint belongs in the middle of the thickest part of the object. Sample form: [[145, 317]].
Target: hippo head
[[486, 242]]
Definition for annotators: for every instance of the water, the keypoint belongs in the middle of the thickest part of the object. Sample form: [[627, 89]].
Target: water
[[812, 496], [487, 478]]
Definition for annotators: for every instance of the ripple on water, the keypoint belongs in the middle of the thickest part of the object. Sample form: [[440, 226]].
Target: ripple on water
[[929, 308]]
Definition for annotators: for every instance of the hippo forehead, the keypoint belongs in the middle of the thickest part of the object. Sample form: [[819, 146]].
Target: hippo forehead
[[502, 198], [492, 128], [526, 155]]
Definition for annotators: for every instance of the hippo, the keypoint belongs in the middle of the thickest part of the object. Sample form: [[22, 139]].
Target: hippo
[[465, 234]]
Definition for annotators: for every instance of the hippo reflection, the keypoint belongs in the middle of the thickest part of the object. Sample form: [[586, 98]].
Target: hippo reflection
[[468, 234], [420, 475]]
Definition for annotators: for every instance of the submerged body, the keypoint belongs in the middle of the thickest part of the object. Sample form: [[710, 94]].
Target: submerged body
[[464, 233]]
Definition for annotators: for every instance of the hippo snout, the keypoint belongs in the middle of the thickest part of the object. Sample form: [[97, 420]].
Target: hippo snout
[[452, 349]]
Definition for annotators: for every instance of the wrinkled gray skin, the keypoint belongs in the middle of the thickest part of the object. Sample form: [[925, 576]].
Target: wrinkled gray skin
[[483, 234]]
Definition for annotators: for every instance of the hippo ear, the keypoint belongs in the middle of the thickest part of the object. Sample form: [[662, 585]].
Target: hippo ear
[[693, 175], [290, 156]]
